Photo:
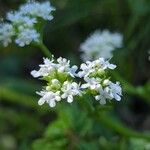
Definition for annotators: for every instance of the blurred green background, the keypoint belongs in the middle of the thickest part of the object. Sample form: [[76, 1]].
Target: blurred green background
[[24, 125]]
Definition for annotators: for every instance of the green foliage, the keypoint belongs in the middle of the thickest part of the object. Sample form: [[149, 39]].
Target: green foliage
[[139, 144]]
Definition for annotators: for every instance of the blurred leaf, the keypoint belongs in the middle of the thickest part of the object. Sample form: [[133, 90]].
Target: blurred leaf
[[139, 144]]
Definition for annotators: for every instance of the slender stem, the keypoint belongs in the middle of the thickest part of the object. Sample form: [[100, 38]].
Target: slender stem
[[112, 124], [20, 98], [44, 49], [130, 89], [120, 128]]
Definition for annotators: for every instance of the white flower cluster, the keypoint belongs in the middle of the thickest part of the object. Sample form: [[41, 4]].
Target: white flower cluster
[[22, 23], [96, 81], [100, 44], [61, 85]]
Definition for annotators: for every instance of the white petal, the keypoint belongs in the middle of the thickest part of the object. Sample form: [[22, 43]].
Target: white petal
[[111, 66], [52, 103], [106, 82], [93, 87], [117, 97], [64, 95], [35, 73], [41, 101], [70, 99], [74, 68], [83, 66], [103, 101], [80, 74], [97, 97], [58, 98], [61, 69]]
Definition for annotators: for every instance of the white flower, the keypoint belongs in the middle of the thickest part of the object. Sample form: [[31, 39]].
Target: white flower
[[26, 36], [45, 69], [94, 67], [49, 67], [103, 96], [18, 19], [49, 97], [92, 83], [72, 71], [112, 91], [70, 90], [36, 9], [100, 44], [86, 69], [104, 64], [64, 66], [6, 33], [52, 95], [115, 91]]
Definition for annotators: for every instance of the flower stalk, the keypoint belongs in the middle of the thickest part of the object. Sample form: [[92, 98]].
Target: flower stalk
[[120, 128], [44, 49]]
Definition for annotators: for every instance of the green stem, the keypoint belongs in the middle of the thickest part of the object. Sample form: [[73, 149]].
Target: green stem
[[130, 89], [45, 50], [120, 128], [20, 98], [112, 124]]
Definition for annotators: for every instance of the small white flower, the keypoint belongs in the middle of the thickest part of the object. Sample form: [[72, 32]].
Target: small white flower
[[85, 70], [49, 97], [36, 9], [103, 95], [72, 71], [26, 36], [112, 91], [19, 20], [92, 83], [100, 44], [94, 67], [104, 64], [6, 33], [50, 67], [64, 66], [48, 63], [115, 91], [70, 90], [46, 69]]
